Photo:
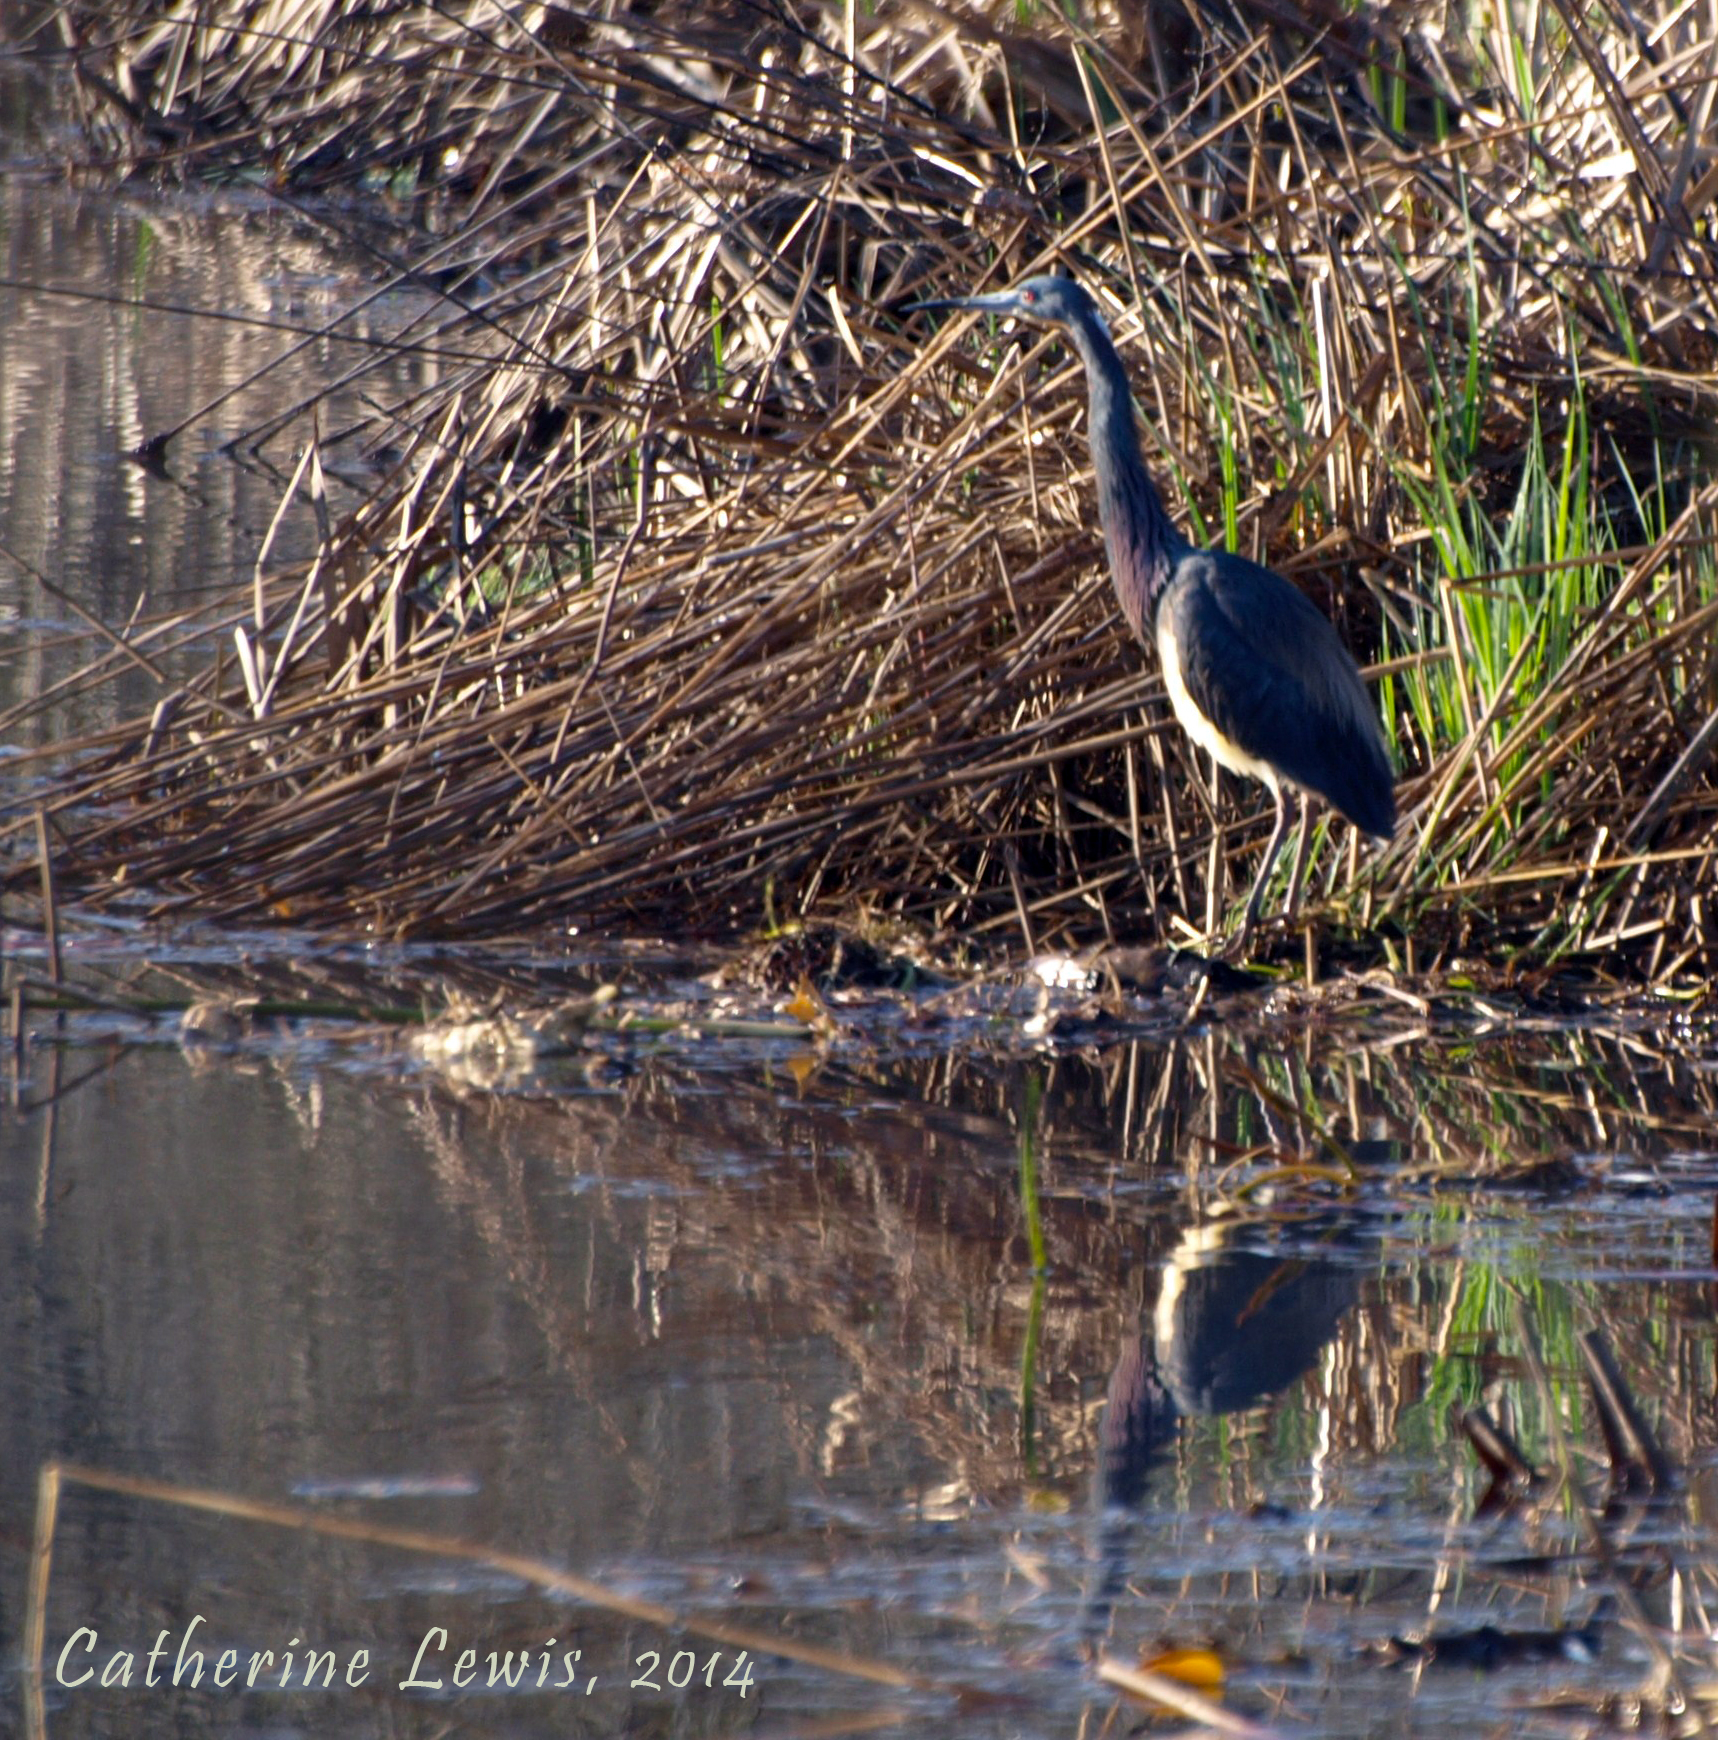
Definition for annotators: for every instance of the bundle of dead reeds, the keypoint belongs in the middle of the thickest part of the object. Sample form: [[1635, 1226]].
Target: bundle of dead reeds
[[700, 590]]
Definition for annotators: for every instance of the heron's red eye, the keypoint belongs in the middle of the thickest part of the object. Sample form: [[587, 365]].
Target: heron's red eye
[[1028, 295]]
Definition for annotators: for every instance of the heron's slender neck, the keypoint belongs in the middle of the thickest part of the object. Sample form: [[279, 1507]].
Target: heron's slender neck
[[1143, 545]]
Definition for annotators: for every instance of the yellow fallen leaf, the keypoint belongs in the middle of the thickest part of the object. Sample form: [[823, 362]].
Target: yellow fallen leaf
[[805, 1005], [1202, 1668]]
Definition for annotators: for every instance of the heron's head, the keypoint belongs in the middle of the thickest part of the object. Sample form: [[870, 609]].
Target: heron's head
[[1052, 300]]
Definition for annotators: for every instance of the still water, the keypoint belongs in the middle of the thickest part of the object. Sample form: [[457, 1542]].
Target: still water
[[753, 1332], [125, 318]]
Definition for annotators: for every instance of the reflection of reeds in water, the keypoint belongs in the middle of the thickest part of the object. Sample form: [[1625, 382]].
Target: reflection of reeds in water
[[877, 1209], [699, 588], [839, 1251], [1141, 1159]]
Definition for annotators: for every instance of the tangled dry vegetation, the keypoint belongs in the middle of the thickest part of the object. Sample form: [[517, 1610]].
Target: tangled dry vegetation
[[701, 589]]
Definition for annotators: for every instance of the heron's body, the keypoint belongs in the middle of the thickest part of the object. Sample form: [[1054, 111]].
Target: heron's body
[[1302, 716], [1256, 675]]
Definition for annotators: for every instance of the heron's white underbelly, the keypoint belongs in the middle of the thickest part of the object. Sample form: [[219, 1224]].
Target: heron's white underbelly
[[1228, 752]]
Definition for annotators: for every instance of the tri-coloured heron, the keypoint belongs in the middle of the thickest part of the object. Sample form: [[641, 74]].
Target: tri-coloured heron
[[1255, 672]]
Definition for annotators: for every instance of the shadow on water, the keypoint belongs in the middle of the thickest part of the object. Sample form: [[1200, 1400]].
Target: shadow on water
[[760, 1334]]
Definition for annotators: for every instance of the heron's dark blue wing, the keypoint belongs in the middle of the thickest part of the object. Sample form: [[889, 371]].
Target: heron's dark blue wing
[[1264, 666]]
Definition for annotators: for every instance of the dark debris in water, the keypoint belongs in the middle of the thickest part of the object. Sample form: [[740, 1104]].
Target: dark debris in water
[[833, 959], [1486, 1648]]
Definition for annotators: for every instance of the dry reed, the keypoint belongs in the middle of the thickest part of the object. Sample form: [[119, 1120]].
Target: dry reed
[[701, 591]]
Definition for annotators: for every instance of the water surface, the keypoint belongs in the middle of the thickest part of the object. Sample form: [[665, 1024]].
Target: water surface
[[126, 317], [755, 1333]]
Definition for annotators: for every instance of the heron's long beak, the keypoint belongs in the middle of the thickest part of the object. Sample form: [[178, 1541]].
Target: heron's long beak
[[1001, 301]]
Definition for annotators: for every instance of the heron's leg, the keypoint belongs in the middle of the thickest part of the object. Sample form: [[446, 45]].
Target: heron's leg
[[1239, 943], [1302, 840]]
